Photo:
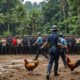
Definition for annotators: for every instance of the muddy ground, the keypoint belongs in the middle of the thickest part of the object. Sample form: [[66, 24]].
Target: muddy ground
[[12, 68]]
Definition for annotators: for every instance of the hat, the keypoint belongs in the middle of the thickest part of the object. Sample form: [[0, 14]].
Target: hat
[[61, 34], [39, 33], [54, 27]]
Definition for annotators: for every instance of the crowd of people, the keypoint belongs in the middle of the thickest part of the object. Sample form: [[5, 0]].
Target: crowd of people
[[24, 45], [18, 45], [73, 43]]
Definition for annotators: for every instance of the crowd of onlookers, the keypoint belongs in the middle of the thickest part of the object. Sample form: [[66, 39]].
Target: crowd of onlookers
[[16, 44], [24, 44], [73, 44]]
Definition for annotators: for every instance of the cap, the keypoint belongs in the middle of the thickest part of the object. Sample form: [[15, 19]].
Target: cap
[[39, 33]]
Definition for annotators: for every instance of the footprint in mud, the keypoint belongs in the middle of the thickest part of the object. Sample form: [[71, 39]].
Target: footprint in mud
[[34, 74], [5, 66], [73, 79], [75, 73], [10, 75], [5, 78]]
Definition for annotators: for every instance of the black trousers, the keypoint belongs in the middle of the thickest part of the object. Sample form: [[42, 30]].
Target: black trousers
[[40, 51], [3, 50], [14, 49], [19, 49]]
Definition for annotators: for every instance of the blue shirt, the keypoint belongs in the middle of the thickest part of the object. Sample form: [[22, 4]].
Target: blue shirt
[[63, 41], [39, 40]]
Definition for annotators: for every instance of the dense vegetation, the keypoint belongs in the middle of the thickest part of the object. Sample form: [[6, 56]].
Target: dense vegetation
[[18, 19]]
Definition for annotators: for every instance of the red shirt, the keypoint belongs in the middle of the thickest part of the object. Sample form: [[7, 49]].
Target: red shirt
[[14, 41]]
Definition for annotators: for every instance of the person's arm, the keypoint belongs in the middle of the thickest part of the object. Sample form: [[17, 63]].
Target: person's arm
[[36, 41], [47, 41], [44, 44], [65, 46]]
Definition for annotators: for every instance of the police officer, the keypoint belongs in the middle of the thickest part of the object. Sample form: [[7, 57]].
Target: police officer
[[53, 39], [39, 42], [64, 49]]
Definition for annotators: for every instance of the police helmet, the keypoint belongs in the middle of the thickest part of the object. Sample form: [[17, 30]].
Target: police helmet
[[54, 28]]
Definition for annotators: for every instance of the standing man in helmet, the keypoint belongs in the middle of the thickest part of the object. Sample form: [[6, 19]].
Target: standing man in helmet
[[53, 39], [39, 42]]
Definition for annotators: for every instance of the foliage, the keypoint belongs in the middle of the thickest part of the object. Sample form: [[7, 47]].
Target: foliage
[[64, 13], [17, 18], [6, 33]]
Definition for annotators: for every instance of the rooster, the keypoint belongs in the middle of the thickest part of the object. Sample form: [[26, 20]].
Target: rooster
[[70, 64], [30, 66]]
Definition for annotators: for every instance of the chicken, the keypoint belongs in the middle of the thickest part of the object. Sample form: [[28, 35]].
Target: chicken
[[30, 66], [70, 64]]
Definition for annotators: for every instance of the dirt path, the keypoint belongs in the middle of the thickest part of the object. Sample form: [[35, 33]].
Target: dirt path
[[12, 68]]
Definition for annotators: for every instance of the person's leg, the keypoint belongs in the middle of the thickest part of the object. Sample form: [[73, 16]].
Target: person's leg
[[12, 49], [51, 60], [50, 65], [2, 49], [20, 49], [39, 51], [44, 54], [15, 49], [56, 64], [5, 49], [62, 54], [24, 49], [37, 54]]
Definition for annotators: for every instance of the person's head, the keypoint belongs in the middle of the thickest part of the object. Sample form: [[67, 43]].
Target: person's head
[[39, 34], [60, 34], [54, 28]]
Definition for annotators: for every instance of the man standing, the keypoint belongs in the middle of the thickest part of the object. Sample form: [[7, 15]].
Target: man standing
[[53, 39], [64, 49], [39, 42]]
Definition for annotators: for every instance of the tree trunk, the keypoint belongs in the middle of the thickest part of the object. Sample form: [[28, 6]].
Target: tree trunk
[[8, 27]]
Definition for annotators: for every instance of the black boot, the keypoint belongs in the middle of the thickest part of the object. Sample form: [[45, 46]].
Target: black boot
[[56, 74], [47, 77]]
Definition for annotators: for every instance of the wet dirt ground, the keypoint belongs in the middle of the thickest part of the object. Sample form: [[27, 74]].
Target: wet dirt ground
[[12, 68]]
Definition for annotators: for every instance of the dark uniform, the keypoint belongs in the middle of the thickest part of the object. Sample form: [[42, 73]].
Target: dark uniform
[[54, 54]]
